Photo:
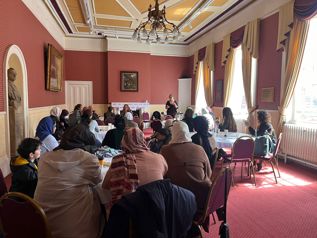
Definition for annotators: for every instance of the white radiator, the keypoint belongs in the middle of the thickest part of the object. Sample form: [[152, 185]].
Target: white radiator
[[300, 142]]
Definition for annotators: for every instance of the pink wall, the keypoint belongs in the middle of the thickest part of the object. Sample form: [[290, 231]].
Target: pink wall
[[88, 66], [269, 62], [158, 76], [19, 26]]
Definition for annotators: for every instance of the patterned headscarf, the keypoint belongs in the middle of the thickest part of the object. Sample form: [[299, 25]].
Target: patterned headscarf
[[133, 141], [180, 133], [124, 175]]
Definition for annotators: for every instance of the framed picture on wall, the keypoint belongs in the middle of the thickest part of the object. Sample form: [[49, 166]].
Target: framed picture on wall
[[129, 81], [219, 91], [54, 71], [267, 94]]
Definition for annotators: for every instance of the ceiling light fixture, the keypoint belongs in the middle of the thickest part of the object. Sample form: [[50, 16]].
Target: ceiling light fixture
[[157, 28]]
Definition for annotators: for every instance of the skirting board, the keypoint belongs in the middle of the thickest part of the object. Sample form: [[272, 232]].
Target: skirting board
[[286, 157]]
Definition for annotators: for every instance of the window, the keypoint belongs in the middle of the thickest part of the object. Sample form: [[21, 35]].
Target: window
[[237, 101], [303, 107], [200, 97]]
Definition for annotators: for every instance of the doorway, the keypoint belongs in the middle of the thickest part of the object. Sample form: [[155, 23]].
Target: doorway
[[78, 92]]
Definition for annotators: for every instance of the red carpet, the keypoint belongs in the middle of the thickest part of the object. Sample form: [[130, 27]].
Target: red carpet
[[287, 209]]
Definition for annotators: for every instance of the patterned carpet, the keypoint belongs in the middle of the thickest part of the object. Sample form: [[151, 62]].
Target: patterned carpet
[[287, 209]]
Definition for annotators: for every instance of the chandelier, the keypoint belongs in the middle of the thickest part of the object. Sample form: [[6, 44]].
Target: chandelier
[[157, 29]]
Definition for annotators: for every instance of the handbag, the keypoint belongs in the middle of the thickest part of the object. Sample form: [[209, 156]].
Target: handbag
[[263, 145]]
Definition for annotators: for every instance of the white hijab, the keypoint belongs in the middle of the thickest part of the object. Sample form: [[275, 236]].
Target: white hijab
[[180, 133], [128, 116], [55, 111]]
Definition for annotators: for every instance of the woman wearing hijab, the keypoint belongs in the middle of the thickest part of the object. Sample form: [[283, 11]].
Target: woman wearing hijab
[[114, 136], [135, 167], [188, 164], [46, 129], [65, 188], [204, 138]]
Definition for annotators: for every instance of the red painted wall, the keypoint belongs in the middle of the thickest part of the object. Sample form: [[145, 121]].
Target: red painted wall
[[20, 27], [158, 76], [88, 66], [165, 72], [269, 62]]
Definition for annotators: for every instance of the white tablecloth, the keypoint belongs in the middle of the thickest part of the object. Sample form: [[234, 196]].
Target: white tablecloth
[[227, 141]]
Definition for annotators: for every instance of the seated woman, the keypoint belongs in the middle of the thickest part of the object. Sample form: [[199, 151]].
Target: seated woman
[[114, 136], [129, 123], [204, 138], [125, 109], [265, 127], [75, 116], [109, 115], [61, 124], [24, 167], [45, 130], [156, 116], [188, 118], [188, 164], [162, 137], [228, 121], [136, 167], [65, 188], [86, 119]]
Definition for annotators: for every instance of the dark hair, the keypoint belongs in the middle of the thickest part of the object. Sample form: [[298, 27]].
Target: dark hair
[[189, 113], [156, 115], [228, 119], [119, 122], [263, 116], [27, 146], [77, 107], [86, 117], [64, 113], [110, 108], [201, 124]]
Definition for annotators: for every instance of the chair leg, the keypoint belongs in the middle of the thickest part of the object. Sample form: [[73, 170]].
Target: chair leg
[[273, 171], [278, 170], [253, 172], [213, 217], [241, 169]]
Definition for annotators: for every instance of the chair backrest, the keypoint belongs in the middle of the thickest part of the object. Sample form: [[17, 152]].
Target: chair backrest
[[243, 147], [145, 116], [3, 186], [216, 194], [32, 221], [277, 147], [168, 117]]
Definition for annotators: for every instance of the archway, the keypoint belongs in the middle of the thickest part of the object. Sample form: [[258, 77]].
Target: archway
[[17, 114]]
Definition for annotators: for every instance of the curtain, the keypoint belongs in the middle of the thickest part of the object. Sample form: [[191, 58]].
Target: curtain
[[250, 47], [305, 9], [195, 62], [226, 47], [296, 48], [285, 24], [208, 67], [228, 77], [197, 80]]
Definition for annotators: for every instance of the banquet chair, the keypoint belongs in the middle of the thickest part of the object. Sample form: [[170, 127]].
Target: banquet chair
[[272, 157], [215, 199], [145, 117], [3, 187], [168, 117], [242, 152], [21, 216]]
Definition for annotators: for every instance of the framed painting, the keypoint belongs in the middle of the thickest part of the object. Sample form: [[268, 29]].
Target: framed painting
[[54, 73], [129, 81], [267, 94]]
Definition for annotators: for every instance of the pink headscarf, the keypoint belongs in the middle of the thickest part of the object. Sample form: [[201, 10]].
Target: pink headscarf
[[133, 141]]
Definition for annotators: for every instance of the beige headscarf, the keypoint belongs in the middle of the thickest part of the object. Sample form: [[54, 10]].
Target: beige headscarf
[[180, 133], [168, 123], [56, 112], [133, 141]]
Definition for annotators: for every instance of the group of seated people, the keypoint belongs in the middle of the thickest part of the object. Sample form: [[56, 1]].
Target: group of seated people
[[63, 179]]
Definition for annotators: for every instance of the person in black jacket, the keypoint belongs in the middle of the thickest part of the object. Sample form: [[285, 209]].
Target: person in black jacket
[[188, 119], [24, 167]]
